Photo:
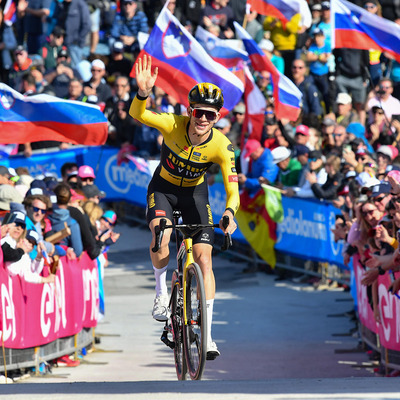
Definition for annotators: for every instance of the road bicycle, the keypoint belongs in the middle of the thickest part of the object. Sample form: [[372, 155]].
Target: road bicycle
[[188, 314]]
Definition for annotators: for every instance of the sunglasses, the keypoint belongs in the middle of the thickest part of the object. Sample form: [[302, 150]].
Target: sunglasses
[[87, 179], [199, 112], [379, 112], [37, 209], [369, 7], [96, 70], [20, 225], [379, 199], [294, 67], [367, 212]]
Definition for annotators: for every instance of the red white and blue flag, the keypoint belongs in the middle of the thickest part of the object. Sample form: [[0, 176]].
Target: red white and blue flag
[[284, 10], [287, 95], [43, 117], [255, 108], [225, 51], [356, 28], [182, 63], [10, 12]]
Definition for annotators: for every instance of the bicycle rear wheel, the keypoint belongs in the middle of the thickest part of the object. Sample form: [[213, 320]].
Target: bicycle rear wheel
[[177, 326], [195, 332]]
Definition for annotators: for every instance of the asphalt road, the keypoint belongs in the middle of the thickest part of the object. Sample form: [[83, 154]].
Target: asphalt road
[[278, 340]]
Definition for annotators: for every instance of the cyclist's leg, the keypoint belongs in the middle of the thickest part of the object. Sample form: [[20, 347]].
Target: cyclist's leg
[[158, 206]]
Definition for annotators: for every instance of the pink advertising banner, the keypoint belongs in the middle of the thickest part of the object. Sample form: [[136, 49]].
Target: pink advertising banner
[[35, 314]]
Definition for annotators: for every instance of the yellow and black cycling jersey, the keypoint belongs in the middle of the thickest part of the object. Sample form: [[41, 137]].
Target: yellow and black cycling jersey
[[184, 164]]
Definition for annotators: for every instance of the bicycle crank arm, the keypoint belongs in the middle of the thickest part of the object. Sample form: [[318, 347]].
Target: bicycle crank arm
[[165, 340]]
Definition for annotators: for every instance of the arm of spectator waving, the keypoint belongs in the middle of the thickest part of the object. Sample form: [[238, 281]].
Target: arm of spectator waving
[[395, 184]]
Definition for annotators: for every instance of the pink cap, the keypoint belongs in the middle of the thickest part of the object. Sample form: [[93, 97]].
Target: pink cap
[[86, 172], [303, 130], [76, 196], [251, 146]]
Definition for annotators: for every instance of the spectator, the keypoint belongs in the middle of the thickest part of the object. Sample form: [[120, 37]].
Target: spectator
[[75, 91], [73, 16], [327, 191], [91, 245], [28, 84], [318, 55], [8, 194], [352, 76], [34, 14], [302, 134], [262, 168], [61, 216], [21, 65], [67, 168], [8, 43], [311, 108], [96, 87], [128, 24], [289, 168], [238, 118], [345, 113], [219, 13], [268, 48], [384, 156], [118, 64], [284, 38], [12, 230], [60, 77], [86, 175], [383, 98], [36, 207], [316, 166], [51, 49], [93, 193]]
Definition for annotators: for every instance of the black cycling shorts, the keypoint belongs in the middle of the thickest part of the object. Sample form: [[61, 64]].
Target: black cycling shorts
[[163, 198]]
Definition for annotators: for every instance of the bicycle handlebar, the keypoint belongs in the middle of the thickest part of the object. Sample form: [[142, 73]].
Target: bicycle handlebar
[[159, 232]]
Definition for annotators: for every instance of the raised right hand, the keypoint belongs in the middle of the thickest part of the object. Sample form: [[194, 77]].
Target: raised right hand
[[144, 78]]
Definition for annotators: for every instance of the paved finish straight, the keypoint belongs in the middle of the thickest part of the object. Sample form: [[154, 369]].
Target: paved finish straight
[[277, 341]]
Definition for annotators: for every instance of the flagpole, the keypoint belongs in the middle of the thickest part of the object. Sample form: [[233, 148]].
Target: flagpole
[[244, 21]]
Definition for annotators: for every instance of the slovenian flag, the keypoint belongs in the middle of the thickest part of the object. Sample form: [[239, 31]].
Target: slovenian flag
[[225, 51], [182, 63], [284, 10], [43, 117], [287, 95], [255, 108], [356, 28]]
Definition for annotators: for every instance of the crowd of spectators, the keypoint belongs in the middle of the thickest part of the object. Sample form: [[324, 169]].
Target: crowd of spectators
[[343, 147]]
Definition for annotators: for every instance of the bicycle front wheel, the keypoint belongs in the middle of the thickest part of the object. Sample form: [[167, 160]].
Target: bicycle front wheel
[[195, 331], [177, 326]]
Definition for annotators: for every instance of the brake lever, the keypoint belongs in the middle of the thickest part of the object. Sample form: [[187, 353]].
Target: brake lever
[[228, 237]]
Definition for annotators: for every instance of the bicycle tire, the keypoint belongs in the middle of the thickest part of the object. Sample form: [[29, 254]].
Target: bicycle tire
[[177, 326], [195, 332]]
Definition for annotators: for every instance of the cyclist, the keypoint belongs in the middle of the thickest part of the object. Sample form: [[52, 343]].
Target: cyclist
[[191, 145]]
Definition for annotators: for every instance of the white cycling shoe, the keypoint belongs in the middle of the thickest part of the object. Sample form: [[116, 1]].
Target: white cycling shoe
[[160, 309], [212, 351]]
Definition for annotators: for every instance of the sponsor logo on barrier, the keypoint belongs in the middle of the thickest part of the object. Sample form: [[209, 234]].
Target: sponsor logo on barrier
[[390, 311], [122, 177], [91, 293], [8, 317], [53, 302], [297, 225]]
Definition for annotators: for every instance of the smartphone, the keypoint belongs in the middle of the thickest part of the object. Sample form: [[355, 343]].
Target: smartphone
[[396, 117]]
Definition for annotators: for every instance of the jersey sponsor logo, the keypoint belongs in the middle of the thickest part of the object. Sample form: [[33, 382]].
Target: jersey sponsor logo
[[151, 201], [195, 153], [233, 170], [196, 158], [233, 178], [169, 163], [231, 148], [160, 213], [204, 158], [205, 237]]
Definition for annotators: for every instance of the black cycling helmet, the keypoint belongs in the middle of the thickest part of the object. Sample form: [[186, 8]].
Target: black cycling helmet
[[207, 94]]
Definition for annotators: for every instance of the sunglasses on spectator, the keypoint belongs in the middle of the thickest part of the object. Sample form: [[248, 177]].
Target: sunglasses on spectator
[[313, 159], [209, 114], [37, 209], [378, 112], [20, 225], [297, 67], [368, 7], [379, 199], [87, 179], [96, 70], [366, 212]]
